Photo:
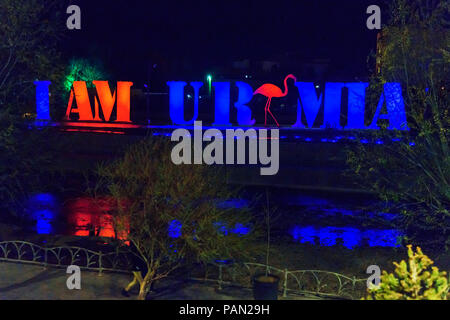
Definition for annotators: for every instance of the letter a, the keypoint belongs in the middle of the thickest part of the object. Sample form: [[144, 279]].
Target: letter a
[[374, 21], [80, 93], [74, 281], [74, 20]]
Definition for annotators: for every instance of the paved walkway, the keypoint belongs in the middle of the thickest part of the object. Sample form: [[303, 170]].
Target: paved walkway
[[30, 282]]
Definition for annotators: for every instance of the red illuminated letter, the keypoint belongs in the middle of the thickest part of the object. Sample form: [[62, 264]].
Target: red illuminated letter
[[107, 101], [123, 101], [83, 105]]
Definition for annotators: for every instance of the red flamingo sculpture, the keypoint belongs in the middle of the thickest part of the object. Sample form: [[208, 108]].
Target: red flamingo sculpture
[[272, 91]]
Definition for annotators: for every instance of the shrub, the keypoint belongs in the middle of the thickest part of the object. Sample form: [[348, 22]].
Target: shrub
[[412, 280]]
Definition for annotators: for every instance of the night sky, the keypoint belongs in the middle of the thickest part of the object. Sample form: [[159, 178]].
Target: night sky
[[129, 35]]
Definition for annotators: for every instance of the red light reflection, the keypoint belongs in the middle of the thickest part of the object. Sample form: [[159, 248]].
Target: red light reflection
[[92, 217]]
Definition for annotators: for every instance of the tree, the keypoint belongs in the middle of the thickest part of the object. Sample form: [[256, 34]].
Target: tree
[[29, 33], [172, 214], [84, 70], [412, 280], [414, 171]]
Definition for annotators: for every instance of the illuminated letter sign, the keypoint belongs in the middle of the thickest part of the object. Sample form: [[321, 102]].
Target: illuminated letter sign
[[42, 100], [244, 113], [222, 103], [107, 101], [356, 105], [396, 114], [309, 103], [332, 108], [176, 101]]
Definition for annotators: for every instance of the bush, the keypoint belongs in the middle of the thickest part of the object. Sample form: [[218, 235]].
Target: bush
[[412, 280], [172, 214]]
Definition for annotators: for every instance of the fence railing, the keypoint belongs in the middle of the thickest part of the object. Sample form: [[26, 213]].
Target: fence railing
[[317, 283], [298, 282], [30, 253]]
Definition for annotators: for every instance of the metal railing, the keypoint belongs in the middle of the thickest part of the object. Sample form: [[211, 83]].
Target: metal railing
[[318, 283], [30, 253]]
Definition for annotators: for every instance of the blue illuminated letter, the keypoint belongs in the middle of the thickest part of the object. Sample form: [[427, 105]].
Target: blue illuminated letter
[[244, 113], [332, 109], [356, 105], [222, 103], [42, 100], [395, 106], [176, 101], [309, 101]]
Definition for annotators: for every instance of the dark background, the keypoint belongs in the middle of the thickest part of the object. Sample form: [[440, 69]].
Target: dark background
[[188, 39]]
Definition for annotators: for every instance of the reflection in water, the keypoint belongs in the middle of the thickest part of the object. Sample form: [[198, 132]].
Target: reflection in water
[[350, 237], [86, 217], [43, 207]]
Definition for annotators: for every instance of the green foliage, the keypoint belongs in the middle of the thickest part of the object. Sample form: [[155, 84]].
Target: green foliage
[[84, 70], [415, 177], [29, 33], [149, 192], [412, 280]]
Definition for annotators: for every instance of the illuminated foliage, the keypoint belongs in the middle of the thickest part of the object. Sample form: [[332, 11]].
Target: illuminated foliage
[[84, 70], [413, 172], [416, 279], [171, 212]]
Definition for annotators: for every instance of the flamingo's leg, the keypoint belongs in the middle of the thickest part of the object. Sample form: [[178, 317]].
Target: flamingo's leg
[[268, 109], [265, 112], [274, 118]]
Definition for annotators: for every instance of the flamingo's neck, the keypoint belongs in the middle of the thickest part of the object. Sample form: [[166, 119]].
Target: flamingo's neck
[[285, 87]]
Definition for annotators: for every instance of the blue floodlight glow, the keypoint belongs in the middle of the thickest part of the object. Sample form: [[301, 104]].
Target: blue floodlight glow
[[240, 229], [233, 203], [42, 207], [175, 229], [351, 237], [327, 236], [43, 221], [348, 236]]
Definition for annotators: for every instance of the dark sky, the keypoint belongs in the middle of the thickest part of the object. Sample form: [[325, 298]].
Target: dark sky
[[126, 34]]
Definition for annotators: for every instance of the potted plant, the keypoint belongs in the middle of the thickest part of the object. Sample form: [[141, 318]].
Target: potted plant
[[265, 286]]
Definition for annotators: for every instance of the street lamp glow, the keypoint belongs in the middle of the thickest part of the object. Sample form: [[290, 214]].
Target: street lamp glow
[[209, 78]]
